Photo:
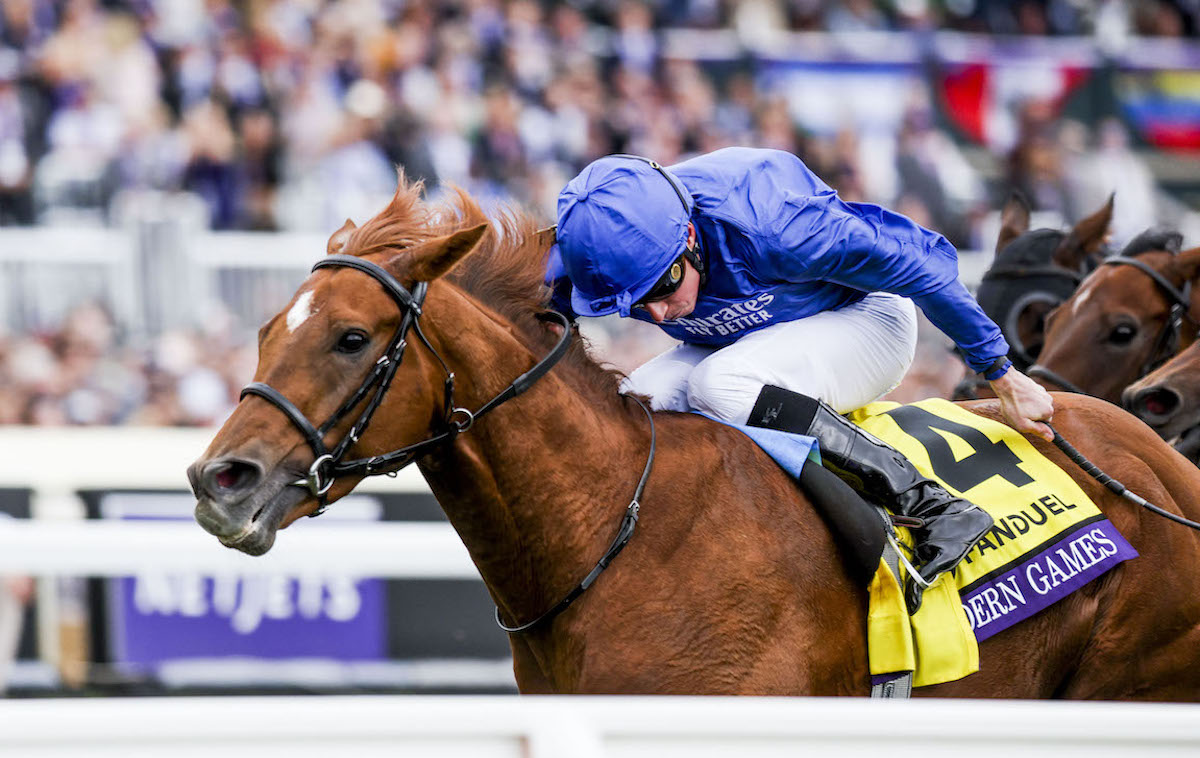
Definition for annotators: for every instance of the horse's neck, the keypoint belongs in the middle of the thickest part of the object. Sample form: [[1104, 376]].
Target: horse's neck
[[538, 486]]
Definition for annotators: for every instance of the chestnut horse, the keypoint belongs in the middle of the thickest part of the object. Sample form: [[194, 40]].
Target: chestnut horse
[[731, 584]]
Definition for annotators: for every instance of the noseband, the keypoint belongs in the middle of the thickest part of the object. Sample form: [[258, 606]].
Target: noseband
[[1166, 343], [328, 463]]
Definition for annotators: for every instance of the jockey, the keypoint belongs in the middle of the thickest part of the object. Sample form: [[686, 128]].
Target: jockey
[[792, 306]]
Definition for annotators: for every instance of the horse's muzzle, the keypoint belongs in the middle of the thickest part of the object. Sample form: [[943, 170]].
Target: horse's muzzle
[[241, 504]]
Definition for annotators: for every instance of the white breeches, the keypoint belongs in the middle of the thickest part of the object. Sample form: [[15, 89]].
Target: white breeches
[[848, 358]]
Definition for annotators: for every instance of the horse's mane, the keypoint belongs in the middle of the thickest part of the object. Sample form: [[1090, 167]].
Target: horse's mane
[[505, 272]]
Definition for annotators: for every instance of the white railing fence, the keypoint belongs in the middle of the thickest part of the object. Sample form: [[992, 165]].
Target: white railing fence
[[160, 270], [56, 465], [588, 727]]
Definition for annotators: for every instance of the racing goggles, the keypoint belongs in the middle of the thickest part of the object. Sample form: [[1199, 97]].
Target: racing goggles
[[667, 284]]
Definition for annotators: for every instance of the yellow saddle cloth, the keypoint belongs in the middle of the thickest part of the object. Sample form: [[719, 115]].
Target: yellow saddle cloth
[[1049, 539]]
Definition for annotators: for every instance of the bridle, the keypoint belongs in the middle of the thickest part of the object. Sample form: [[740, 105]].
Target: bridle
[[328, 463], [1166, 344]]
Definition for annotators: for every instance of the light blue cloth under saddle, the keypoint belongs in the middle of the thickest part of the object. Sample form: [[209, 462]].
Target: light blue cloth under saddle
[[789, 450]]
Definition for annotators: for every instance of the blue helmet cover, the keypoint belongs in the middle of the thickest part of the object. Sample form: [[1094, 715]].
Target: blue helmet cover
[[620, 225]]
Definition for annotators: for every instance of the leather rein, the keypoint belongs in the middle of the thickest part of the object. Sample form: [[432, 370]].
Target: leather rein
[[1166, 344], [328, 463]]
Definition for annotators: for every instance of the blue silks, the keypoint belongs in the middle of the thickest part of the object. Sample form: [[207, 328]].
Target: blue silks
[[778, 244]]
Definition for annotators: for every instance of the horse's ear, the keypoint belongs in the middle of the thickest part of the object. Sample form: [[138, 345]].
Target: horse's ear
[[440, 255], [1014, 220], [1187, 264], [1088, 236], [338, 240]]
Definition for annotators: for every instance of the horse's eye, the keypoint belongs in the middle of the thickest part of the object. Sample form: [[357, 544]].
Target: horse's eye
[[351, 342], [1122, 334]]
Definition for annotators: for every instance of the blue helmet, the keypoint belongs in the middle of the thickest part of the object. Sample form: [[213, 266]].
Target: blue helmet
[[621, 223]]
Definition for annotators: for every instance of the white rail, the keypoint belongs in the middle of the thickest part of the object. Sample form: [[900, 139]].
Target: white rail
[[55, 464], [125, 548], [623, 727], [59, 461]]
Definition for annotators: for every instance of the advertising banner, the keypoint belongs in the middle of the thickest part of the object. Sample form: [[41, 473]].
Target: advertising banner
[[156, 618]]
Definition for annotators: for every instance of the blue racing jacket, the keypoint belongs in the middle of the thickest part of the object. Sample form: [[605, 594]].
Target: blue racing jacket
[[781, 245]]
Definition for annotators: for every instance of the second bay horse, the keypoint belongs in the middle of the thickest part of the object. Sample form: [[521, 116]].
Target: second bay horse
[[1128, 317]]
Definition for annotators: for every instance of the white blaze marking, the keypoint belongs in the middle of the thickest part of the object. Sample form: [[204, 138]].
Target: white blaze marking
[[1083, 298], [300, 311]]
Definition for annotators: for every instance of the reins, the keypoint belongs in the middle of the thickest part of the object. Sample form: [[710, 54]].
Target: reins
[[1112, 484], [624, 533]]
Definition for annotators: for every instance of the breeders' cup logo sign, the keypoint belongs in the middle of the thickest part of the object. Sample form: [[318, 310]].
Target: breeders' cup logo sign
[[730, 320]]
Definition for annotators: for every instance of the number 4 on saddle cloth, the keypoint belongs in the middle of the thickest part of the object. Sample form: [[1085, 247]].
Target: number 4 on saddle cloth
[[1049, 538]]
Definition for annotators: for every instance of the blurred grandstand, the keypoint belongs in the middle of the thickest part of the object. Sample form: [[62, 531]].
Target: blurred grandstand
[[158, 120]]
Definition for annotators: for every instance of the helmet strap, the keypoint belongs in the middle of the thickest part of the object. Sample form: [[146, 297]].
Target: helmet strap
[[696, 258]]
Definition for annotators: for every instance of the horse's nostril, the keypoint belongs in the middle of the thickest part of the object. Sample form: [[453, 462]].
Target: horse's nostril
[[1156, 402], [228, 476]]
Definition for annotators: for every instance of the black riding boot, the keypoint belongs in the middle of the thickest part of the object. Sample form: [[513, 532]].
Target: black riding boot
[[883, 475]]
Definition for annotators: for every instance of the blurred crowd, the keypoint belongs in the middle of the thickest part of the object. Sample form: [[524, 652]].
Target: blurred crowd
[[83, 374], [284, 113], [292, 114]]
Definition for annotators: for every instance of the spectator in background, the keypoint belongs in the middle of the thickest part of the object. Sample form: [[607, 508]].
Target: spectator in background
[[1035, 164], [260, 166], [1112, 167], [855, 16], [933, 174], [19, 138], [154, 152], [16, 592], [1164, 18], [498, 153], [212, 171], [355, 172], [85, 135], [635, 42]]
